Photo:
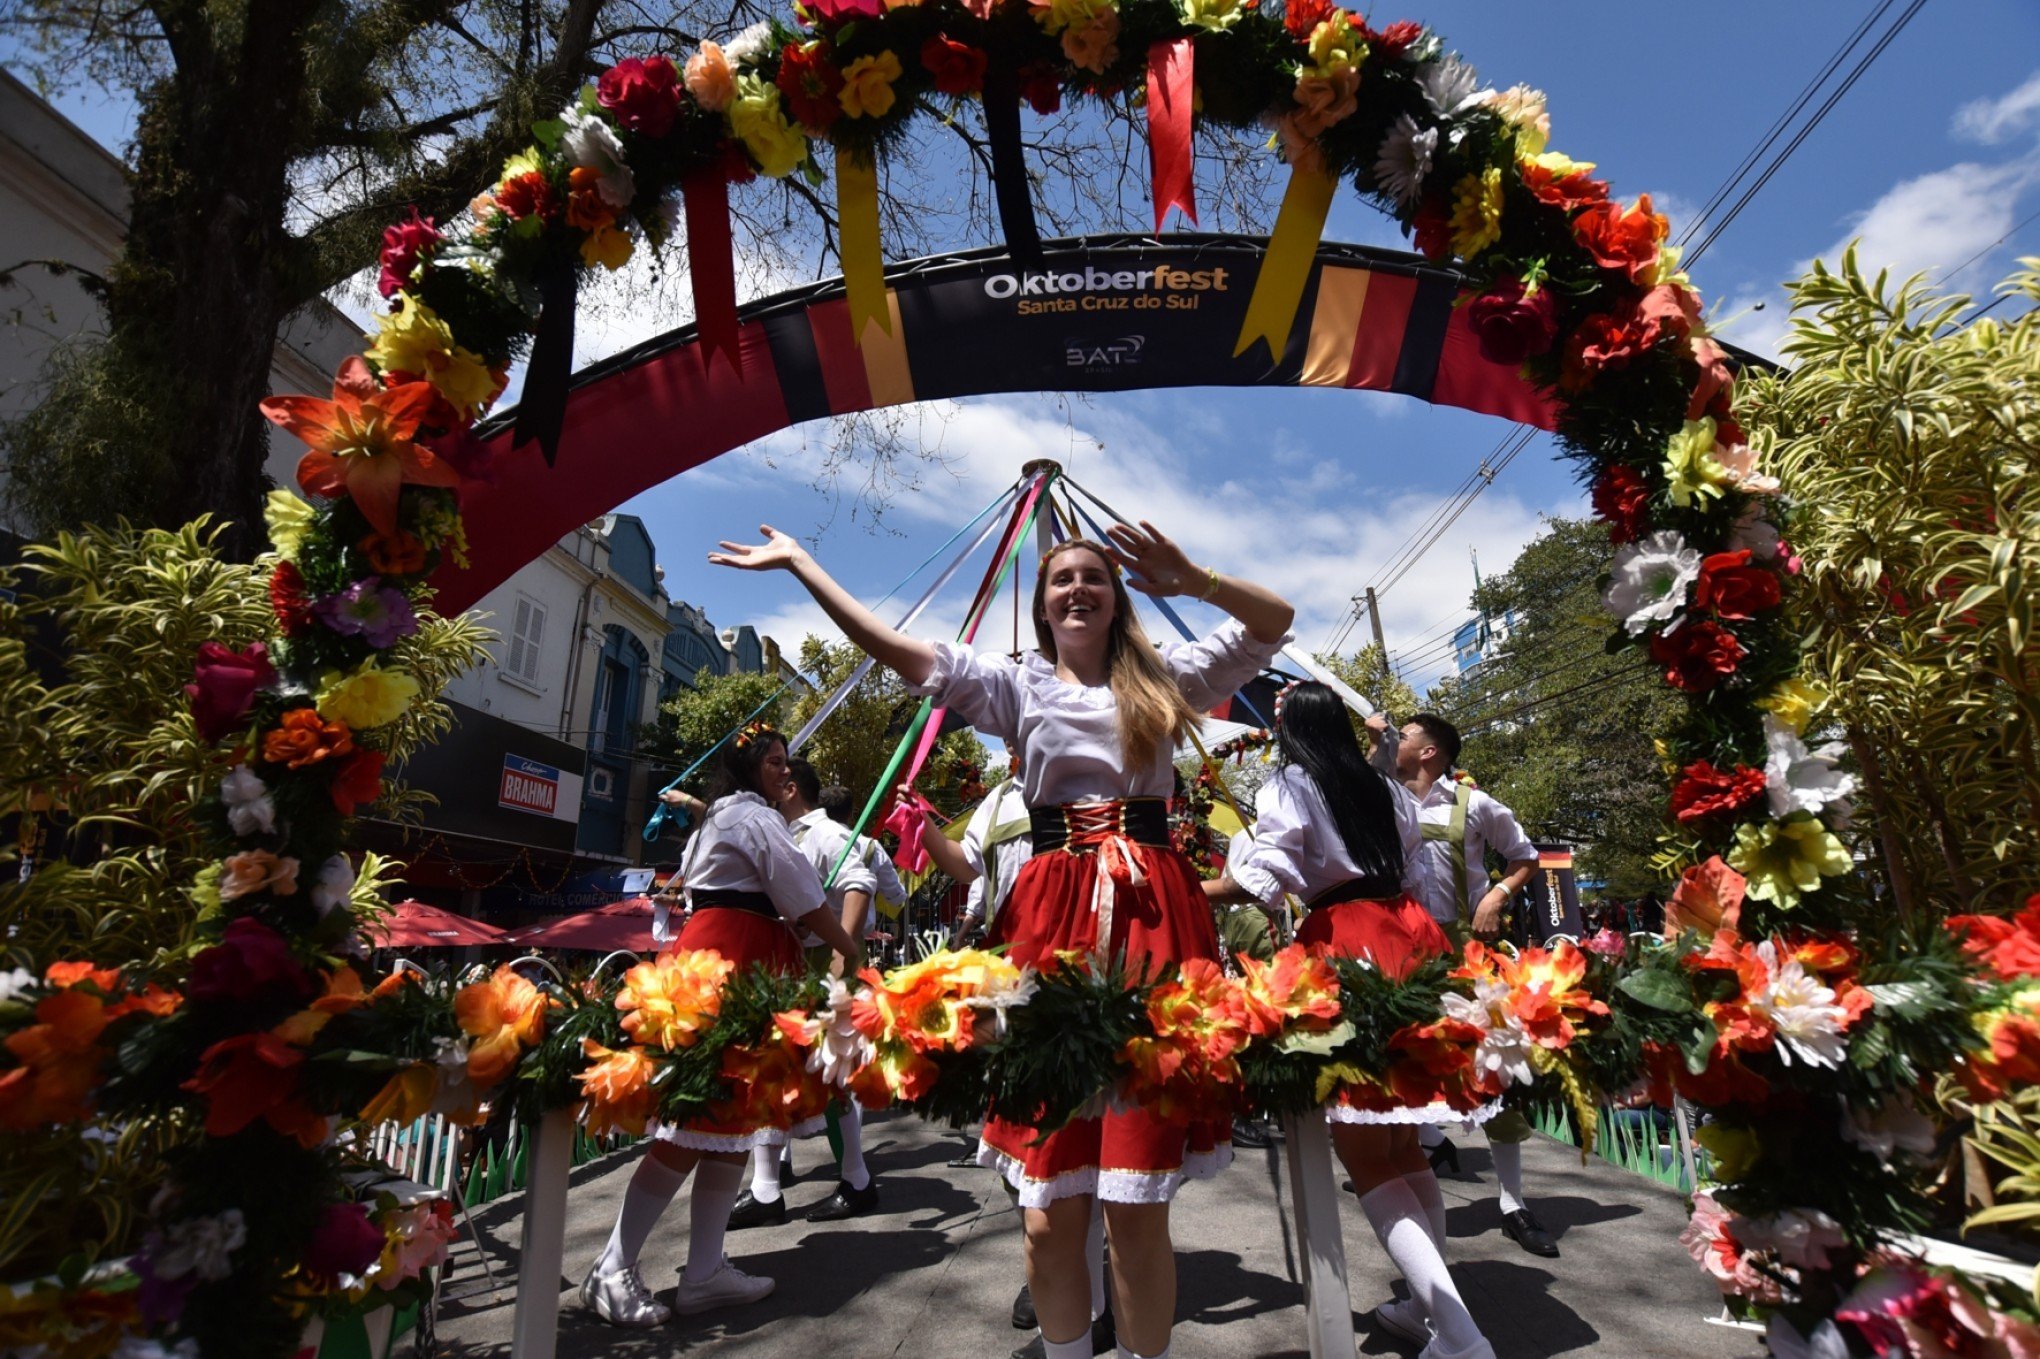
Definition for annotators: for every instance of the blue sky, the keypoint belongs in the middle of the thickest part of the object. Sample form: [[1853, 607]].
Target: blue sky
[[1931, 158]]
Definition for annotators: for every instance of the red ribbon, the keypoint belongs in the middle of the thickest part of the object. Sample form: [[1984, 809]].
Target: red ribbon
[[909, 815], [712, 262], [1171, 78]]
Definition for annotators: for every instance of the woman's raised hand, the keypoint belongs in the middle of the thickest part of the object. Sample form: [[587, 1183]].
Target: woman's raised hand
[[1155, 565], [777, 553]]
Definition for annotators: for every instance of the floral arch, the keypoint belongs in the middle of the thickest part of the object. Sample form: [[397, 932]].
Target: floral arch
[[1571, 299]]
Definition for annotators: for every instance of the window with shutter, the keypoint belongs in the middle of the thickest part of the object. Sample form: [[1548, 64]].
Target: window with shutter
[[527, 631]]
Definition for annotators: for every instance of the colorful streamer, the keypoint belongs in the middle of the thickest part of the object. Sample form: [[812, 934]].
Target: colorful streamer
[[863, 261], [1292, 249], [711, 265], [1171, 84]]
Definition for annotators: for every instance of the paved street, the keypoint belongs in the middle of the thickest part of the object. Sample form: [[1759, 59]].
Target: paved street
[[933, 1274]]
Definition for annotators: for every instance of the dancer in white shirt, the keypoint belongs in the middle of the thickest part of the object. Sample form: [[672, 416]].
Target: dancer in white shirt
[[1339, 833], [1095, 714], [749, 890]]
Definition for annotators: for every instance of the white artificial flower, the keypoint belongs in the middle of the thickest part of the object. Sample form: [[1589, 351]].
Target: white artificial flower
[[201, 1246], [1450, 86], [1504, 1047], [750, 47], [250, 810], [1802, 1237], [1801, 1011], [1798, 778], [1886, 1129], [837, 1050], [1001, 1001], [131, 1346], [1787, 1343], [589, 143], [1405, 159], [15, 983], [1651, 580], [1756, 533], [334, 887]]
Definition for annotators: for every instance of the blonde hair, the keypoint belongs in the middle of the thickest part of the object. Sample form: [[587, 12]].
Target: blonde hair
[[1152, 708]]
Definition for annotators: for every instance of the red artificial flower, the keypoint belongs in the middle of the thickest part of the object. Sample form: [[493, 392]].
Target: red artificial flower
[[1729, 587], [956, 67], [1432, 229], [347, 1241], [254, 1076], [643, 93], [288, 600], [1576, 189], [224, 685], [527, 195], [1391, 42], [358, 780], [1623, 239], [403, 245], [250, 960], [1041, 87], [1611, 340], [1302, 17], [363, 441], [1676, 310], [1696, 657], [2009, 948], [1703, 791], [1622, 500], [1512, 323], [812, 85]]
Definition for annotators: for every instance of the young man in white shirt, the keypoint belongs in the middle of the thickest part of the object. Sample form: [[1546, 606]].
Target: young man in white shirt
[[1448, 875]]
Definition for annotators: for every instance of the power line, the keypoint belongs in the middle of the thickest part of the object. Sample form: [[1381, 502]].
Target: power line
[[1477, 724], [2028, 220]]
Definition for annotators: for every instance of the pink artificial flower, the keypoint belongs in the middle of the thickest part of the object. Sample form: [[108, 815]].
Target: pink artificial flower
[[224, 685]]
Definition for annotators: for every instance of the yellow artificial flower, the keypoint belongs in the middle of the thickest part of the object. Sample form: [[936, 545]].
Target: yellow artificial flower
[[1692, 472], [1212, 15], [1334, 46], [365, 697], [607, 246], [1477, 213], [1057, 15], [1794, 702], [525, 162], [868, 85], [1558, 165], [1667, 270], [1735, 1150], [1784, 860], [412, 339], [289, 519], [205, 890], [758, 121]]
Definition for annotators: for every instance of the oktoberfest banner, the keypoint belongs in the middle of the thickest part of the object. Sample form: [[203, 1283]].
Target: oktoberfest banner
[[1554, 895]]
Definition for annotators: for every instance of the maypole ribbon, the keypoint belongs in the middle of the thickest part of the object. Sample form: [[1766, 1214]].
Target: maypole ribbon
[[1009, 163], [1292, 249], [542, 410], [1171, 85], [711, 265], [863, 261]]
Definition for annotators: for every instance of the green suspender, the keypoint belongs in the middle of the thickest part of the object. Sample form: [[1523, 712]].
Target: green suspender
[[1453, 833]]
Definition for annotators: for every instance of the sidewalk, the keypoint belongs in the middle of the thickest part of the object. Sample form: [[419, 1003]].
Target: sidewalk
[[933, 1273]]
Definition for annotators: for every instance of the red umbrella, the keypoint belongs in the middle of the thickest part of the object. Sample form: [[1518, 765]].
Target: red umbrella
[[413, 924], [625, 924]]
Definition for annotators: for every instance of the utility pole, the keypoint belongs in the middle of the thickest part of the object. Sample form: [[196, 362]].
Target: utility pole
[[1374, 617]]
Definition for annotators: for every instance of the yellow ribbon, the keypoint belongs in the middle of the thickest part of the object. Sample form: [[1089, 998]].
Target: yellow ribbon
[[1292, 249], [863, 262]]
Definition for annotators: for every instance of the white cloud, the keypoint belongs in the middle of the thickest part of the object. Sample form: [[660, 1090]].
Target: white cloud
[[1993, 121], [1935, 222]]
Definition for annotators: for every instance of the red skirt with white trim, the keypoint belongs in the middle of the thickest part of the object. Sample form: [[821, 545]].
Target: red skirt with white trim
[[1396, 935], [1129, 1156], [743, 937]]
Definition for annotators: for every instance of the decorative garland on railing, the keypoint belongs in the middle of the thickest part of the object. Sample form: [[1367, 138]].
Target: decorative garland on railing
[[1808, 1058]]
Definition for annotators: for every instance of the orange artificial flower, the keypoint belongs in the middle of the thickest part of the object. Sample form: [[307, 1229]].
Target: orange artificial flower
[[107, 979], [401, 553], [503, 1015], [618, 1087], [405, 1097], [60, 1060], [302, 737], [668, 1002], [586, 208], [343, 993], [258, 870], [1709, 897], [255, 1076], [363, 441], [1295, 989]]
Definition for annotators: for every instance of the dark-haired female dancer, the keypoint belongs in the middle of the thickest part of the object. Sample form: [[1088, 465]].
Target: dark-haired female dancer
[[1095, 714], [753, 892], [1329, 828]]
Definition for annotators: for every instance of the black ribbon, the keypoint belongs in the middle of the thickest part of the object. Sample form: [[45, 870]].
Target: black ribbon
[[1009, 164], [542, 412]]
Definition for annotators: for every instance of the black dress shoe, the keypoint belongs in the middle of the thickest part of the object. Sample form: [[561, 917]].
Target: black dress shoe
[[1444, 1154], [1526, 1231], [1249, 1134], [1104, 1339], [845, 1202], [1023, 1310], [749, 1212]]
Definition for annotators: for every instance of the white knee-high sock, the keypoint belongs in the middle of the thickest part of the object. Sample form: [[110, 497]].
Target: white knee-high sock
[[715, 1193], [1424, 1185], [1508, 1158], [1094, 1257], [652, 1186], [1124, 1353], [1429, 1134], [1398, 1220], [852, 1127], [765, 1173], [1080, 1348]]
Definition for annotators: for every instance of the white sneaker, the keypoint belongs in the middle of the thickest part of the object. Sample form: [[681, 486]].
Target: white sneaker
[[1436, 1350], [727, 1287], [1404, 1317], [621, 1299]]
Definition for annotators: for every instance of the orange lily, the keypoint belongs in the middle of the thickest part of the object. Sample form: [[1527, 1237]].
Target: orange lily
[[363, 441]]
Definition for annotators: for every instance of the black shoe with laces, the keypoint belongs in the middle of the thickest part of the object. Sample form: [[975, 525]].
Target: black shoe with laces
[[1249, 1134], [1523, 1228], [1023, 1310], [749, 1212], [845, 1202]]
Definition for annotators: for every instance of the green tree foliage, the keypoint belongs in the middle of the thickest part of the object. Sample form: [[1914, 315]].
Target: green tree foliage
[[1369, 675], [1555, 727], [1908, 434]]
